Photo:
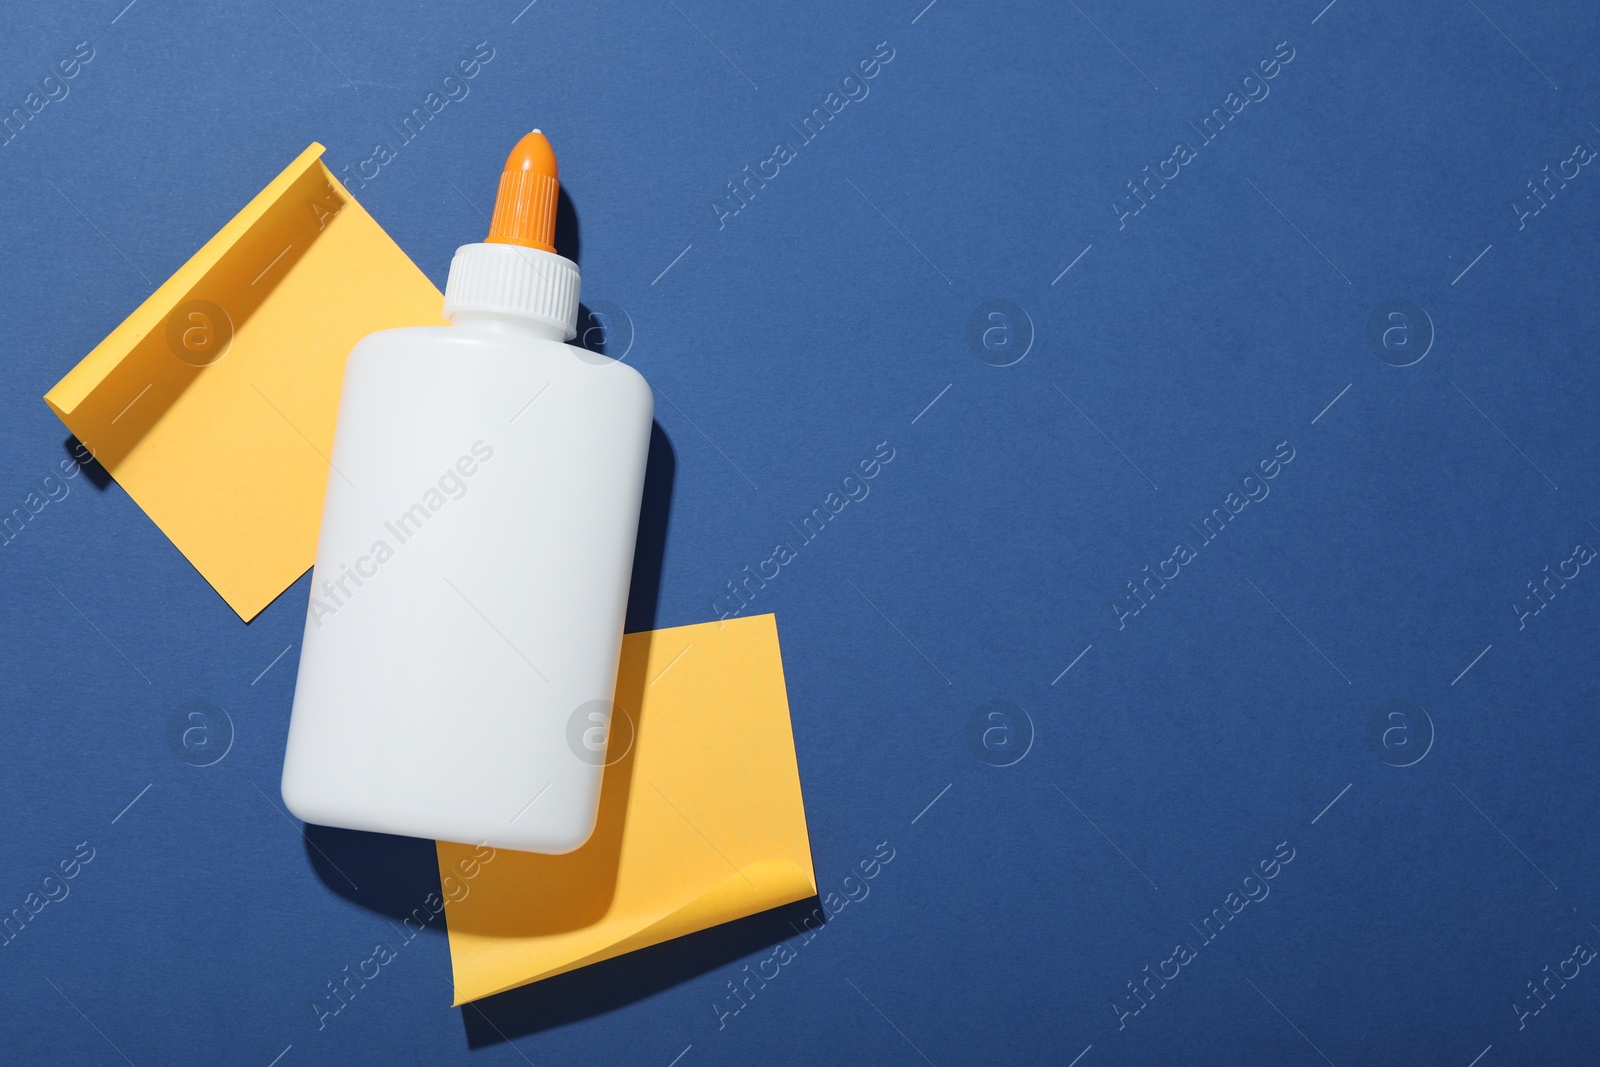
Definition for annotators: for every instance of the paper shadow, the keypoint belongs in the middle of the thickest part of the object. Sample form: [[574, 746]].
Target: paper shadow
[[394, 875], [79, 453], [616, 983]]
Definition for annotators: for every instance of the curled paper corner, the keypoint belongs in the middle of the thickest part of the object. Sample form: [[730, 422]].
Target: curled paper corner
[[753, 889], [701, 820], [212, 404]]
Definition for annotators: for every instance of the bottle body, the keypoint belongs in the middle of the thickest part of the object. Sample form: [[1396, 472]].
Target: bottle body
[[470, 587]]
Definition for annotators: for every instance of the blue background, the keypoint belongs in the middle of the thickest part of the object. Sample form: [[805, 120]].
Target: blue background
[[1183, 346]]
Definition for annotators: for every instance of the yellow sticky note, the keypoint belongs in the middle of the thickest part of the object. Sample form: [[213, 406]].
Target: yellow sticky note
[[213, 404], [701, 822]]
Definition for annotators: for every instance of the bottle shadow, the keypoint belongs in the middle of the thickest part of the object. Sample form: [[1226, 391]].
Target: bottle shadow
[[568, 239], [394, 876]]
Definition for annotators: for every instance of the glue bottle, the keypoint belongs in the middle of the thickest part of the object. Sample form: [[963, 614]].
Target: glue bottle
[[467, 603]]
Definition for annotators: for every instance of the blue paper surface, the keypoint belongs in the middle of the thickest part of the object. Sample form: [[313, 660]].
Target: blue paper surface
[[1371, 673]]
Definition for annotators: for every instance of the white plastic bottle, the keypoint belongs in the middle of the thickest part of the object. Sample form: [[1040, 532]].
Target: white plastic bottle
[[472, 570]]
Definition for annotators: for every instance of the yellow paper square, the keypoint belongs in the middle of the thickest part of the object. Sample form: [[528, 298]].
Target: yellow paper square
[[700, 823], [213, 404]]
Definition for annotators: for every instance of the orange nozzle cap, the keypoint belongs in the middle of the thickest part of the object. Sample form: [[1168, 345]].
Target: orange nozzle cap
[[525, 207]]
